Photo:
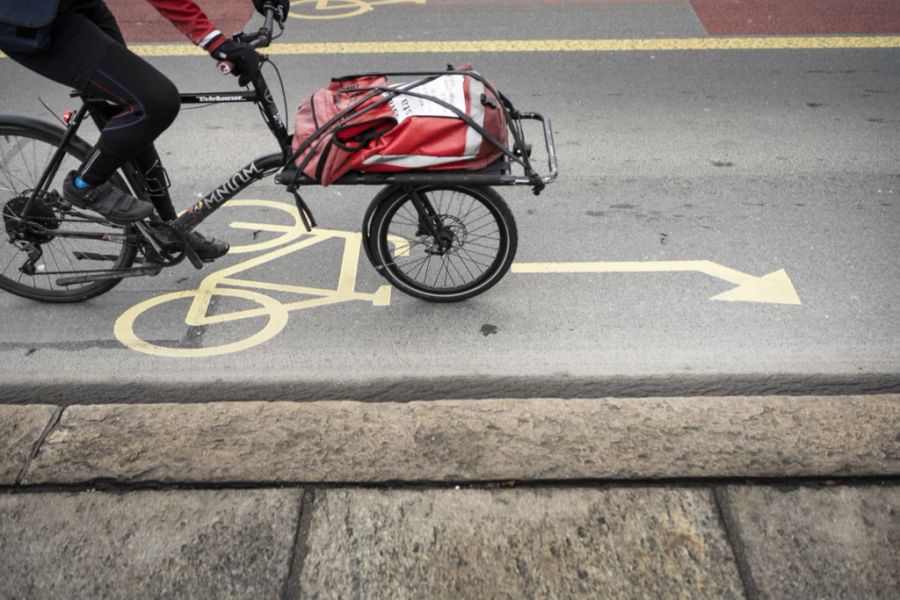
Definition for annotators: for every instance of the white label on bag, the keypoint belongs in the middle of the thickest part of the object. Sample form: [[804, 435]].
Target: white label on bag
[[448, 88]]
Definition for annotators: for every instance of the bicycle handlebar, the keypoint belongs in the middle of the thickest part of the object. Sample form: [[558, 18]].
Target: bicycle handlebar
[[260, 39]]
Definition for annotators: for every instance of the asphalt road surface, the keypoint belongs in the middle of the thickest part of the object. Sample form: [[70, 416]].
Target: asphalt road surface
[[686, 174]]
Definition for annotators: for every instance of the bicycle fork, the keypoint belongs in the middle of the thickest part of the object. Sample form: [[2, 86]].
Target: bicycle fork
[[430, 222]]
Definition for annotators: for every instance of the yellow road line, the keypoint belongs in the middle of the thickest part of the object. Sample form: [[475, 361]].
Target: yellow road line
[[776, 287], [598, 45]]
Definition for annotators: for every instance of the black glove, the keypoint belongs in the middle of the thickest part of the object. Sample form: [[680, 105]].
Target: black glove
[[282, 7], [245, 59]]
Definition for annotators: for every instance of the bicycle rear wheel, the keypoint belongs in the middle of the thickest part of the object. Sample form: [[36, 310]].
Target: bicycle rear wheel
[[473, 248], [39, 250]]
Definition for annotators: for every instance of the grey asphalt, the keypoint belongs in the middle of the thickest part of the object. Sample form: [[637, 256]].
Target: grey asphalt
[[756, 160]]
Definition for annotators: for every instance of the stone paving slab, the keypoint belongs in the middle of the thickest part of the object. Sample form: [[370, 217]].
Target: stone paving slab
[[20, 428], [184, 544], [475, 440], [625, 541], [517, 543], [808, 542]]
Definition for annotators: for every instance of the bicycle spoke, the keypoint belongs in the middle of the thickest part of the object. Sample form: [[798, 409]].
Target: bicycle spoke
[[14, 152], [71, 242], [474, 240], [450, 262], [490, 256], [11, 260], [482, 265], [409, 223], [471, 274], [425, 264], [28, 167], [411, 261], [7, 174]]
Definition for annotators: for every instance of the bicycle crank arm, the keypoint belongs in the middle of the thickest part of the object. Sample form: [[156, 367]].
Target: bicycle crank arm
[[107, 275], [156, 251]]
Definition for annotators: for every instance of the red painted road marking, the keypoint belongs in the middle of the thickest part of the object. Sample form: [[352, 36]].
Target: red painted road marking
[[532, 3], [140, 22], [798, 17]]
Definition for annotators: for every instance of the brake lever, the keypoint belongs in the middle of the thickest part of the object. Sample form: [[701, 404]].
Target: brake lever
[[261, 39]]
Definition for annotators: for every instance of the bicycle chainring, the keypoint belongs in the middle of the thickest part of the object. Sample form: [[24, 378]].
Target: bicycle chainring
[[169, 247], [36, 226]]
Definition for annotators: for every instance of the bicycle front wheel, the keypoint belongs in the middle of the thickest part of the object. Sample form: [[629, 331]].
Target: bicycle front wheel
[[52, 242], [468, 247]]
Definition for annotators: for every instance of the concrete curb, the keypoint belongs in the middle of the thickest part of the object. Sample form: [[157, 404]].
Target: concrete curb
[[22, 430], [471, 441], [86, 387]]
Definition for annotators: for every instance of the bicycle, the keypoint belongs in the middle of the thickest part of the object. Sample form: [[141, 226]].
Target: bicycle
[[459, 236]]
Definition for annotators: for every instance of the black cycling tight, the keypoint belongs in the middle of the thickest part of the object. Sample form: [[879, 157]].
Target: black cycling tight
[[142, 104], [87, 52]]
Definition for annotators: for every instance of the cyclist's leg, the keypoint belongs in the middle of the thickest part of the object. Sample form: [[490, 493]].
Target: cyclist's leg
[[150, 164], [156, 179], [144, 102], [148, 160], [88, 53]]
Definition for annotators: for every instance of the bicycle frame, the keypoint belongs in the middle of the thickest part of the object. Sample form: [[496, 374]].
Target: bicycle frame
[[251, 172]]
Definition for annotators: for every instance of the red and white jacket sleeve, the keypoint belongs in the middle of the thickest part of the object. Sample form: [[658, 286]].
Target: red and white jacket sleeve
[[191, 21]]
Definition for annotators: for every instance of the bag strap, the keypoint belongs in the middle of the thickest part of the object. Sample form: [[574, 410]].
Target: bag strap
[[343, 118], [470, 122]]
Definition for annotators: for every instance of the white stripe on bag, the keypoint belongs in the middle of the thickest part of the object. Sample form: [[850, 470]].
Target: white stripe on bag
[[413, 161], [473, 138]]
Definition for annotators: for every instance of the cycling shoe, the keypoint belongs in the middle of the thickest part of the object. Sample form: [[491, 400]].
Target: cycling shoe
[[208, 249], [109, 201]]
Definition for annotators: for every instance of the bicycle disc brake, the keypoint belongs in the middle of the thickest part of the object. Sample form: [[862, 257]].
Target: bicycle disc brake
[[451, 236]]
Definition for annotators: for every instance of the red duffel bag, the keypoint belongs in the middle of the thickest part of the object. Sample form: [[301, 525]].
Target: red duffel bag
[[365, 123]]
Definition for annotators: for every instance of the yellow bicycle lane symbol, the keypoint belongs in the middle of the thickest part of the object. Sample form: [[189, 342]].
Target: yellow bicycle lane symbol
[[773, 288], [339, 9], [226, 283]]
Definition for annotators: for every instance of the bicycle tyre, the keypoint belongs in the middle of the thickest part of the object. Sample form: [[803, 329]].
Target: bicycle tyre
[[484, 242], [25, 149]]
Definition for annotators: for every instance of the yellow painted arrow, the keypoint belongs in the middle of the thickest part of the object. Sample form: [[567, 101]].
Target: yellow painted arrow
[[774, 288]]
